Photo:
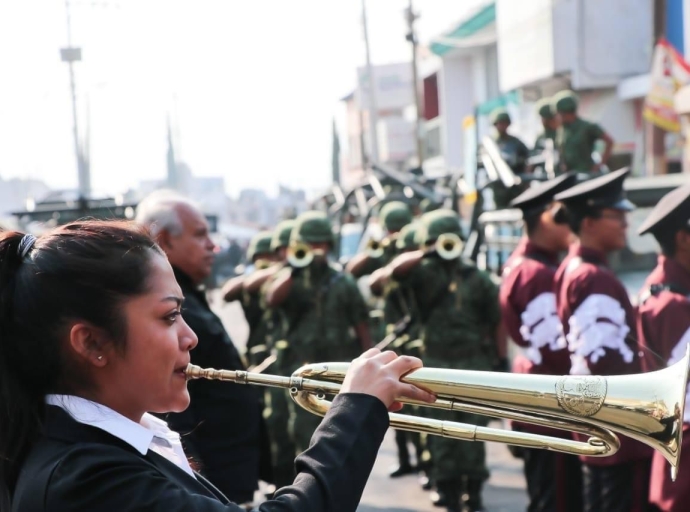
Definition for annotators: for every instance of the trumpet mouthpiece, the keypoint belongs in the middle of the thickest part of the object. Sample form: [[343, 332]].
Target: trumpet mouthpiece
[[194, 372]]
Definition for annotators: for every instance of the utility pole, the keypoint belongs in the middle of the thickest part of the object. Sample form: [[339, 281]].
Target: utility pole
[[412, 38], [373, 109], [70, 55]]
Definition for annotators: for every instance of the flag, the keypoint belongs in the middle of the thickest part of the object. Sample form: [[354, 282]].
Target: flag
[[669, 73]]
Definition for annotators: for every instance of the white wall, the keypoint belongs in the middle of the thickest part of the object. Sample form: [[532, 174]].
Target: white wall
[[595, 42], [525, 48], [456, 96], [396, 137], [393, 86], [615, 40]]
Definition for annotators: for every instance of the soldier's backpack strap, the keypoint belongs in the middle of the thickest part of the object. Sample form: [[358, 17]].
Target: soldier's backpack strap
[[655, 289]]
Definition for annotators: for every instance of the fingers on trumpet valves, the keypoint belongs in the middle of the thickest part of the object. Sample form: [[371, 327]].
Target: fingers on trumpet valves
[[378, 374]]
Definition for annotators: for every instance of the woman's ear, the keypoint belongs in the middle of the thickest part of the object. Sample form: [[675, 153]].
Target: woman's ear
[[89, 344]]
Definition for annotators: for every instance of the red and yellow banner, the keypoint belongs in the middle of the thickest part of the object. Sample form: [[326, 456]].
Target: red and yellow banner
[[669, 73]]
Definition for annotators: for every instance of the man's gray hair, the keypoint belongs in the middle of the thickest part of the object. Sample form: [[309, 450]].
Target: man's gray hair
[[158, 212]]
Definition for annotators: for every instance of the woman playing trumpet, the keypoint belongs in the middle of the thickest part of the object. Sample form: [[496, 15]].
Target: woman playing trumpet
[[92, 341]]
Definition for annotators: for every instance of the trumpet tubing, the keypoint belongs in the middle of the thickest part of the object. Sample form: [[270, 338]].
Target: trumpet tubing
[[647, 407]]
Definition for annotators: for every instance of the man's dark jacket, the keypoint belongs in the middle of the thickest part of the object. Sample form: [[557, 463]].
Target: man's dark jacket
[[221, 427]]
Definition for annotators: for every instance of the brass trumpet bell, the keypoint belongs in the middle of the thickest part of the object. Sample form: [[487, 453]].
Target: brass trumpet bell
[[300, 255], [647, 407], [262, 264], [448, 246], [375, 248]]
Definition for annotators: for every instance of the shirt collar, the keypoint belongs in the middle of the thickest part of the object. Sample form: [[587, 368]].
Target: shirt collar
[[138, 435], [533, 249], [591, 255]]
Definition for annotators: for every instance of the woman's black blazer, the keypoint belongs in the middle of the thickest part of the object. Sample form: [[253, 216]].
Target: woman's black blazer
[[75, 467]]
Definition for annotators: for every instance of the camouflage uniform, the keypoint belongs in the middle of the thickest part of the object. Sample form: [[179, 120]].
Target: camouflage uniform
[[460, 313], [546, 111], [277, 411], [575, 141], [323, 307], [394, 216], [252, 305], [512, 149], [400, 301]]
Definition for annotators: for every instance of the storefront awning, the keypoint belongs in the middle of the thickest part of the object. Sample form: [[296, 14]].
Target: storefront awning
[[461, 35]]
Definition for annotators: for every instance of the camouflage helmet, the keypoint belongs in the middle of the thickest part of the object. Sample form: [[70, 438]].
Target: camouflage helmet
[[407, 237], [500, 115], [565, 102], [545, 108], [312, 227], [281, 234], [395, 215], [259, 244], [436, 223]]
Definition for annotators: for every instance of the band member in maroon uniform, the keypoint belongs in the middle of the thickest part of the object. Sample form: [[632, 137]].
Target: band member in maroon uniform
[[599, 326], [528, 309], [663, 326]]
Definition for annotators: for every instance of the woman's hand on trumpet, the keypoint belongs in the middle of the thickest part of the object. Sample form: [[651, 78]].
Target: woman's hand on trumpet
[[378, 374]]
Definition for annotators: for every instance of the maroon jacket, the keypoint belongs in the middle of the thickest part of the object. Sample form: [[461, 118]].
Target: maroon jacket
[[663, 330], [528, 310], [599, 325]]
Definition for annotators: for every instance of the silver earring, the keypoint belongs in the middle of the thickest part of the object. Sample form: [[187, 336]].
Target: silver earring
[[99, 358]]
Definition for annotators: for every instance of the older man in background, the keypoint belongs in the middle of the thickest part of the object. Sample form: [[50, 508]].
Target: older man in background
[[223, 422]]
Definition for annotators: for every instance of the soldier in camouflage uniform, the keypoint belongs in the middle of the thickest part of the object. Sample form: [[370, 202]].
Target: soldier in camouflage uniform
[[260, 254], [549, 121], [326, 315], [399, 302], [512, 149], [241, 288], [394, 216], [264, 329], [277, 412], [460, 317], [576, 138]]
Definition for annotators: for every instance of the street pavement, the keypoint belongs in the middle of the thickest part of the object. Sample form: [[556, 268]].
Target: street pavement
[[504, 491]]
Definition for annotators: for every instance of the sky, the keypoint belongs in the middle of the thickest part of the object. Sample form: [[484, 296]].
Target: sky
[[252, 85]]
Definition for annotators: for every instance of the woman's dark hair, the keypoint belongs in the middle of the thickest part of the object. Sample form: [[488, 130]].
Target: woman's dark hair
[[80, 271]]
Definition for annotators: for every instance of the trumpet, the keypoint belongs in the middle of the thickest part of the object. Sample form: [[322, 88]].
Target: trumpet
[[300, 255], [375, 248], [647, 407], [262, 264], [448, 246]]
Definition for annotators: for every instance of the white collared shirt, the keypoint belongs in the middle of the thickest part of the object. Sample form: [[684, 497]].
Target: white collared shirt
[[150, 434]]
